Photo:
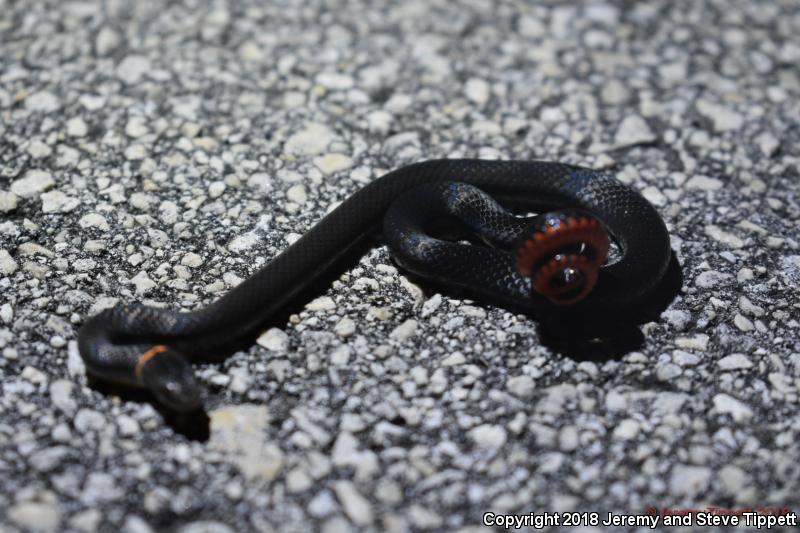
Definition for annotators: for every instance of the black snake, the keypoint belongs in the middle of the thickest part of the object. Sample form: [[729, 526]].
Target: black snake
[[552, 260]]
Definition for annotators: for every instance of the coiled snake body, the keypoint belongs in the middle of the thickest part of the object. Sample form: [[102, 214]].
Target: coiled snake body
[[554, 259]]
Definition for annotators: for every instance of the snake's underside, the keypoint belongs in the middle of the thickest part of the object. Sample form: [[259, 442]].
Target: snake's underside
[[555, 259]]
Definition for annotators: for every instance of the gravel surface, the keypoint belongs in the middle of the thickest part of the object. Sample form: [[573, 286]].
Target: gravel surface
[[162, 151]]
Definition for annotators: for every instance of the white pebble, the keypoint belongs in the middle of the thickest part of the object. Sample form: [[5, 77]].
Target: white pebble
[[725, 404], [76, 127], [274, 339], [626, 430], [297, 194], [633, 130], [133, 68], [142, 282], [487, 436], [521, 386], [405, 330], [94, 220], [107, 41], [718, 234], [8, 201], [345, 327], [192, 260], [42, 101], [136, 127], [735, 361], [704, 183], [33, 183], [312, 140], [332, 163], [135, 152], [723, 118], [323, 303], [334, 80], [477, 91]]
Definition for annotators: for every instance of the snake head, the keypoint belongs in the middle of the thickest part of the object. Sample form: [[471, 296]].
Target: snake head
[[562, 253], [168, 375]]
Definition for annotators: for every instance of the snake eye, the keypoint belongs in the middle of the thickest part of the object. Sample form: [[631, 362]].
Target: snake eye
[[562, 255]]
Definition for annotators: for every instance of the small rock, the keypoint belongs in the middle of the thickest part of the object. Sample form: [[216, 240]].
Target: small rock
[[312, 140], [244, 242], [135, 152], [7, 263], [698, 342], [143, 282], [345, 327], [477, 91], [297, 194], [250, 51], [614, 92], [749, 307], [735, 361], [568, 439], [322, 303], [431, 305], [743, 323], [334, 80], [725, 404], [341, 355], [405, 330], [191, 260], [488, 436], [57, 201], [76, 127], [732, 479], [240, 434], [723, 118], [454, 359], [36, 516], [298, 480], [207, 526], [107, 41], [424, 519], [39, 150], [86, 521], [356, 507], [100, 488], [768, 144], [332, 163], [136, 127], [49, 458], [633, 130], [710, 279], [133, 68], [43, 101], [88, 420], [628, 429], [8, 201], [322, 504], [704, 183], [521, 386], [61, 396], [689, 481], [94, 220], [128, 427], [677, 318], [135, 524], [653, 195], [274, 339], [32, 184], [724, 237]]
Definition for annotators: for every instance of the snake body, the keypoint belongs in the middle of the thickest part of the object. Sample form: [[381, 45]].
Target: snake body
[[153, 348]]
